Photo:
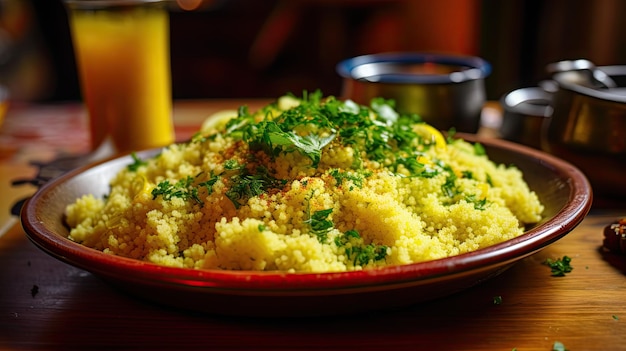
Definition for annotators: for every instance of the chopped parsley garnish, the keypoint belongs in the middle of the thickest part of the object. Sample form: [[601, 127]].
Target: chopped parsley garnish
[[451, 135], [560, 266], [340, 177], [313, 125], [274, 135], [137, 162], [479, 204], [489, 180], [320, 224], [450, 188], [232, 164], [183, 189], [370, 252], [497, 300], [199, 137], [244, 186], [479, 149], [270, 137], [385, 108], [467, 174], [309, 145], [411, 164], [209, 183], [360, 253]]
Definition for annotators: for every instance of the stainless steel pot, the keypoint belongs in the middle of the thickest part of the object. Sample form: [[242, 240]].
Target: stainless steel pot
[[447, 91], [588, 128], [580, 116], [523, 113]]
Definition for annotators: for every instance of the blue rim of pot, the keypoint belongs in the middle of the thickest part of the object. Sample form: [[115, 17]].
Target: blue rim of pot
[[364, 68]]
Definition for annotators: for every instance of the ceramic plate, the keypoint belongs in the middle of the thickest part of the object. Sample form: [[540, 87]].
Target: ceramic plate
[[562, 188]]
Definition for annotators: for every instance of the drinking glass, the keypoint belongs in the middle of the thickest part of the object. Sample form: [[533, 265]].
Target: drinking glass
[[123, 59]]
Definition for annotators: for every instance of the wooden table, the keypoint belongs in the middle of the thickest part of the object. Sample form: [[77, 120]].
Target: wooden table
[[46, 304]]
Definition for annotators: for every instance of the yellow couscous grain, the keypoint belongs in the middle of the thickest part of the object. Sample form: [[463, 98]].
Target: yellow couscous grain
[[310, 184]]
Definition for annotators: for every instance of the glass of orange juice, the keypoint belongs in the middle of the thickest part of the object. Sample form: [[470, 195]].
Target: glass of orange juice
[[123, 59]]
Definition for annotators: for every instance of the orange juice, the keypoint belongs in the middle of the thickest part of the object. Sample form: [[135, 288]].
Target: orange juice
[[122, 54]]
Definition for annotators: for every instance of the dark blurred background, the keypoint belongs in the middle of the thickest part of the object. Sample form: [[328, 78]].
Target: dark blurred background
[[253, 48]]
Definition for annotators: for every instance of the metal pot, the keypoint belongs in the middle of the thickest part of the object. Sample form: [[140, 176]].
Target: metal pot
[[447, 91], [588, 128], [523, 113]]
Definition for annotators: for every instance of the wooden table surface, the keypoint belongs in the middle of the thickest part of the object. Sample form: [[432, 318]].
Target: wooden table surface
[[47, 304]]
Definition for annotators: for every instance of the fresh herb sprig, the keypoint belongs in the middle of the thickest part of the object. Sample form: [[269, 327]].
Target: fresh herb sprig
[[316, 123], [360, 254], [356, 178], [208, 184], [243, 186], [479, 149], [320, 223], [560, 266], [450, 188], [137, 162], [479, 203], [183, 189]]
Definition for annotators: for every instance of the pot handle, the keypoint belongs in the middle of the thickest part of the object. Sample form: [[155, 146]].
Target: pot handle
[[535, 101], [596, 78]]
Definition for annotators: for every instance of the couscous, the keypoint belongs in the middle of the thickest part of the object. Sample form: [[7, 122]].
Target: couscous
[[310, 184]]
